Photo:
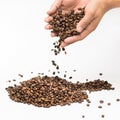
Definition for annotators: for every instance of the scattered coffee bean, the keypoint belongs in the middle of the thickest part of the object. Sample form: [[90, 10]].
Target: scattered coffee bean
[[41, 73], [101, 101], [118, 100], [102, 116], [64, 75], [87, 105], [108, 104], [20, 75], [70, 77], [74, 70], [88, 100], [100, 74], [57, 67], [83, 116], [53, 73], [99, 106]]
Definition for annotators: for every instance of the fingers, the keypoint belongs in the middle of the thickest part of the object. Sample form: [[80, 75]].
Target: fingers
[[48, 26], [53, 34], [86, 20], [54, 7], [48, 19], [91, 27]]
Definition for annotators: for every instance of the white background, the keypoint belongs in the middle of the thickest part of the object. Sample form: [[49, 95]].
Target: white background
[[25, 47]]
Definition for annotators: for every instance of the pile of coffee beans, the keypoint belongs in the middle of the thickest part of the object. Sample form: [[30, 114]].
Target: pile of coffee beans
[[64, 25], [96, 85], [48, 91]]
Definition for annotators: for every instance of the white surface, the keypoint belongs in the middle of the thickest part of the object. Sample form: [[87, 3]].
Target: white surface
[[25, 47]]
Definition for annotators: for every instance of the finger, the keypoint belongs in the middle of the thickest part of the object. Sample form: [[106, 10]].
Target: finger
[[70, 40], [54, 7], [91, 27], [63, 44], [85, 21], [53, 34], [48, 19], [48, 26]]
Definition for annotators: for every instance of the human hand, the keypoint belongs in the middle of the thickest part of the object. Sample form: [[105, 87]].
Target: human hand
[[94, 11], [68, 5]]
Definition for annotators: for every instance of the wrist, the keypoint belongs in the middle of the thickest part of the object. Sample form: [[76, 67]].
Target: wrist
[[113, 4]]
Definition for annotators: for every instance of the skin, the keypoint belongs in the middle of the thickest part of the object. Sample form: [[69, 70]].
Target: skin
[[94, 11]]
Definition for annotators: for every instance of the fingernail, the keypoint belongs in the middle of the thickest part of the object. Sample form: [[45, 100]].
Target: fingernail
[[79, 29]]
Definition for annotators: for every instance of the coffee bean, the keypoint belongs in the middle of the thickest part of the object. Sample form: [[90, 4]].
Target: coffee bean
[[101, 101], [20, 75], [70, 77], [100, 74], [102, 116], [117, 99], [64, 75], [108, 104], [83, 116], [14, 80], [9, 81], [99, 106], [87, 105], [53, 73]]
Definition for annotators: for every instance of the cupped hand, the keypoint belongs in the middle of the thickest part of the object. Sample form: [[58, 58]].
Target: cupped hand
[[94, 11]]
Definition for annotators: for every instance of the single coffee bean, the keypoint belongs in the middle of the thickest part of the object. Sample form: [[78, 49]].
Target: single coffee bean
[[101, 101]]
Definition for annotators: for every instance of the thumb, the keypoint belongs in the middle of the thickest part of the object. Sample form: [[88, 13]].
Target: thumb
[[54, 7], [85, 21]]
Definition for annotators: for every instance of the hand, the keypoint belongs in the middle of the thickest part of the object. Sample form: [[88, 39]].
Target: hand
[[94, 11], [68, 5]]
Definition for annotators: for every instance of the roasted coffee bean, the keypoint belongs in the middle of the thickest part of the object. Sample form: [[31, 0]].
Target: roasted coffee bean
[[100, 74], [99, 106], [117, 99], [102, 116], [9, 81], [108, 104], [57, 67], [74, 70], [83, 116], [14, 80], [53, 73], [53, 63], [87, 105], [20, 75], [101, 101], [64, 75], [70, 77]]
